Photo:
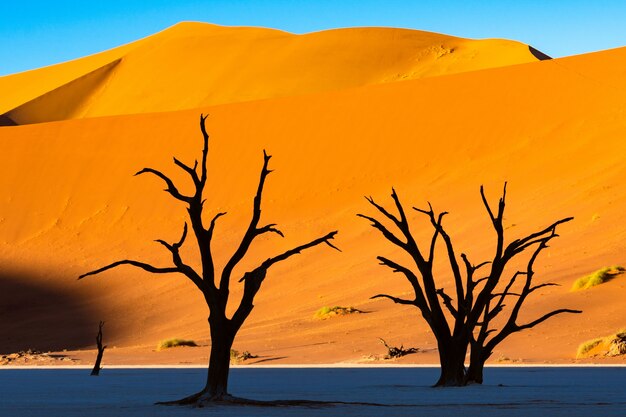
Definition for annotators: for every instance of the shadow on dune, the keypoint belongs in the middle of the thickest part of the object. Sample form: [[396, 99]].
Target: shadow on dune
[[6, 121], [538, 54], [263, 359], [41, 317]]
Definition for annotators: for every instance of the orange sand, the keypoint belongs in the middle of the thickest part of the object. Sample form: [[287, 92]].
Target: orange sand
[[69, 203]]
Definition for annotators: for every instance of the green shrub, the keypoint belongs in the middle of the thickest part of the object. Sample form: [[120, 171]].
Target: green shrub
[[585, 347], [328, 312], [598, 277], [170, 343]]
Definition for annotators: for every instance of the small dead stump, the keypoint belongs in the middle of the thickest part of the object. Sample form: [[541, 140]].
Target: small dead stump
[[394, 352], [237, 357], [97, 366]]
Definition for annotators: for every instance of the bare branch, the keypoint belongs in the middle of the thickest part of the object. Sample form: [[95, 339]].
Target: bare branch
[[182, 238], [177, 245], [394, 299], [179, 265], [269, 229], [253, 279], [469, 271], [396, 267], [546, 317], [144, 266], [495, 219], [486, 204], [212, 225], [547, 284], [438, 229], [285, 255], [519, 245], [479, 280], [171, 188], [411, 246], [191, 171], [447, 301], [205, 149], [504, 293], [332, 246], [420, 299], [384, 211], [183, 268], [386, 233], [396, 200], [251, 232], [480, 265], [454, 265]]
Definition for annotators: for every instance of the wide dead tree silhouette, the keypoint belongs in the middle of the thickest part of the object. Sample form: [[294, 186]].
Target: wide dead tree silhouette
[[467, 317], [215, 287]]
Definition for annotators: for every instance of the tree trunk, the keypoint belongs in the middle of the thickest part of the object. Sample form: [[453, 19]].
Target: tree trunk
[[478, 357], [222, 339], [452, 360], [97, 366], [475, 373], [216, 388]]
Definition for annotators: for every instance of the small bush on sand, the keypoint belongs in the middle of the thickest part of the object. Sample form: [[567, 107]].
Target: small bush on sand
[[170, 343], [585, 347], [328, 312], [612, 345], [598, 277]]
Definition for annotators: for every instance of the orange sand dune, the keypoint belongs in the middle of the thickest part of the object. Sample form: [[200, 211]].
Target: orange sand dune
[[196, 64], [553, 129]]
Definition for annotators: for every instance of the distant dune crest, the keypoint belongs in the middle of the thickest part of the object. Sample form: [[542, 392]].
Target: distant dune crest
[[191, 65]]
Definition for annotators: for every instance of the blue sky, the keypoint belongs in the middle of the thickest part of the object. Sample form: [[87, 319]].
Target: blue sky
[[39, 33]]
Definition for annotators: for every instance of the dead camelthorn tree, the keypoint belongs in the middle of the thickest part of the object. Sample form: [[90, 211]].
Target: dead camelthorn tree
[[469, 320], [97, 366], [215, 287]]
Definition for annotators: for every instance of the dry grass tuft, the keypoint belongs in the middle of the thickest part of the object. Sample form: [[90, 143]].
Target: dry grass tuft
[[598, 277], [328, 312], [171, 343]]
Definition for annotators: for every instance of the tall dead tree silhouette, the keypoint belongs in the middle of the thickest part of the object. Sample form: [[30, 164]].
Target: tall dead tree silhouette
[[216, 287], [469, 321]]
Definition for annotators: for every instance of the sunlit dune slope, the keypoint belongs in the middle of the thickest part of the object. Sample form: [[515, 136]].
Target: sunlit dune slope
[[553, 129], [197, 64]]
